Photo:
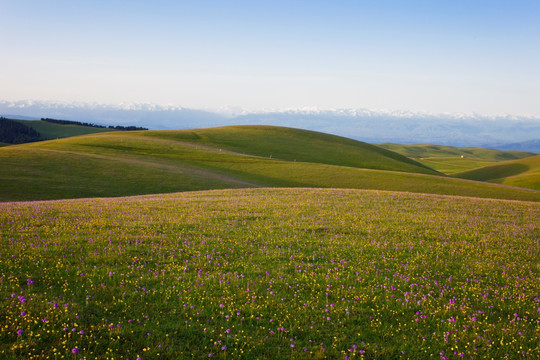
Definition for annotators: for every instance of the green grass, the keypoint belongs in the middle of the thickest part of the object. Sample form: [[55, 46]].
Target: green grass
[[523, 173], [270, 274], [296, 145], [49, 130], [132, 163], [448, 160]]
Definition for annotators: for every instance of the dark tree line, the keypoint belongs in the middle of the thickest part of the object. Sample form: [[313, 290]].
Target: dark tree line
[[13, 132], [69, 122], [127, 128]]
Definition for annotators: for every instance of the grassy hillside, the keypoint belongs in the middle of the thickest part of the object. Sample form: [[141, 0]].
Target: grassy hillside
[[132, 163], [49, 130], [289, 144], [523, 173], [270, 274], [448, 159]]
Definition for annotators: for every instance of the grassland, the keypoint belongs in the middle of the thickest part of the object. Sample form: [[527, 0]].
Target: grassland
[[270, 273], [49, 130], [523, 173], [297, 145], [449, 160], [133, 163]]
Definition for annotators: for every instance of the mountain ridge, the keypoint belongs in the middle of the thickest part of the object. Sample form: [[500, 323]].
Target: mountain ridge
[[361, 124]]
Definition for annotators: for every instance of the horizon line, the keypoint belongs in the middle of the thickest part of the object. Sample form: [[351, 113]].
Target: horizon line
[[234, 111]]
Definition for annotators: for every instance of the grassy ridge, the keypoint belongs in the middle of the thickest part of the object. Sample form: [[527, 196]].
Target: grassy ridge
[[49, 130], [523, 173], [428, 150], [270, 273], [116, 164], [448, 159], [296, 145]]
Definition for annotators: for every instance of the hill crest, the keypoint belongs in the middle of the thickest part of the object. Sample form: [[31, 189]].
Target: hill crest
[[150, 162]]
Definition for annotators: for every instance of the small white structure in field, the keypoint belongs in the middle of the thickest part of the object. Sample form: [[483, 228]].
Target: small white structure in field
[[463, 156]]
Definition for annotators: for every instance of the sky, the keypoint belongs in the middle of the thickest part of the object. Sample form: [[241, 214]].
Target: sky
[[437, 56]]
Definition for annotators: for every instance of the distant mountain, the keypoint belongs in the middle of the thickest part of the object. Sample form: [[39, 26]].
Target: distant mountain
[[145, 115], [18, 117], [461, 130], [532, 146]]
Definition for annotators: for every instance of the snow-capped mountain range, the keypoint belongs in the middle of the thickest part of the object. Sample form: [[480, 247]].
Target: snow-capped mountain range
[[374, 126]]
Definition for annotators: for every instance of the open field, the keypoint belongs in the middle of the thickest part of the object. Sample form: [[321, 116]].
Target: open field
[[523, 172], [134, 163], [448, 159], [270, 273]]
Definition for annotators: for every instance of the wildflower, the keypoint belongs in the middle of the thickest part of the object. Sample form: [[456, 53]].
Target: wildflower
[[75, 350]]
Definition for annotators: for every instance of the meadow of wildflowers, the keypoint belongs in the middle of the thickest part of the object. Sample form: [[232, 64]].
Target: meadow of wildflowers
[[270, 273]]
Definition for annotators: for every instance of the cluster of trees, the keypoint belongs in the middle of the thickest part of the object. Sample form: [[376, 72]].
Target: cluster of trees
[[13, 132], [69, 122], [127, 128]]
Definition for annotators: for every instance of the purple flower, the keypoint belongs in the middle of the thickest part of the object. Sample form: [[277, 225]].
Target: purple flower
[[19, 332], [75, 350]]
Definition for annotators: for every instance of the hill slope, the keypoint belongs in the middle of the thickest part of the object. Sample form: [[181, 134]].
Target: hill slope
[[131, 163], [523, 173], [49, 130], [452, 160], [13, 132], [296, 145]]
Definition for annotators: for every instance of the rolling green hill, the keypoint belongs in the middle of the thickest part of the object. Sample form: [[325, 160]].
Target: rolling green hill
[[282, 143], [144, 162], [449, 160], [522, 172], [49, 130]]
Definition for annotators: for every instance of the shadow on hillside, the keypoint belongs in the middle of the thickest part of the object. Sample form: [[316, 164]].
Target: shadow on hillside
[[495, 172]]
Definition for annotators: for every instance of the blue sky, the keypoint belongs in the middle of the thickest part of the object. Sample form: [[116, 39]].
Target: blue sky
[[433, 56]]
